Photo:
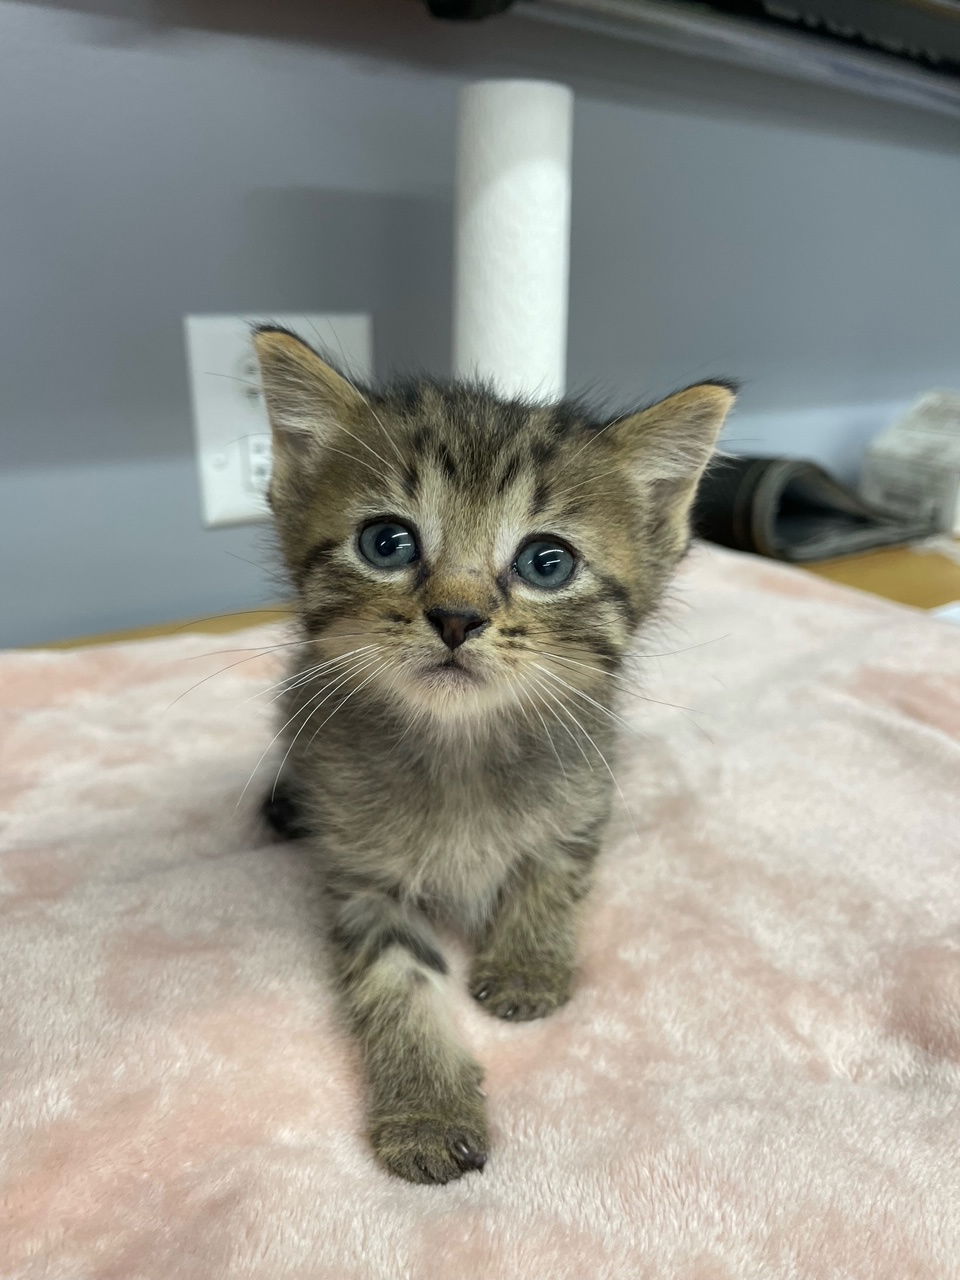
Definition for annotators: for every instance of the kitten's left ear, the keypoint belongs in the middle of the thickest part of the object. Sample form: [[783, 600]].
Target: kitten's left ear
[[670, 444]]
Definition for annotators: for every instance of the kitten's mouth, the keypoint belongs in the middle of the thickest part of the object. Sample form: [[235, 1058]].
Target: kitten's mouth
[[450, 673]]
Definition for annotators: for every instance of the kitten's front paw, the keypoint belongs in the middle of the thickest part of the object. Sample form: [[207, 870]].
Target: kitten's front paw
[[435, 1145], [520, 994]]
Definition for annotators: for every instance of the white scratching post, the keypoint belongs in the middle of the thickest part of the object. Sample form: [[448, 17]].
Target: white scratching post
[[513, 236]]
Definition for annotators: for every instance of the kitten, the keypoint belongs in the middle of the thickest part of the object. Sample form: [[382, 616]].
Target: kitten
[[469, 573]]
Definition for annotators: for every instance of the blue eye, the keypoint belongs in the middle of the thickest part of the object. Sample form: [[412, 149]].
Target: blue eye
[[388, 545], [545, 563]]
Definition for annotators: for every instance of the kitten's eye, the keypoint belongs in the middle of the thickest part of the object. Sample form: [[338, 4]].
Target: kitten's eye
[[545, 563], [388, 545]]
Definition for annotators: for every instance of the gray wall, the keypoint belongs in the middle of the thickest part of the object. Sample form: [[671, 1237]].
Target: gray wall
[[165, 158]]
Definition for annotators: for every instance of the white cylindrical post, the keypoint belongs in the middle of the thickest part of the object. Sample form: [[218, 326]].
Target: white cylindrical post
[[513, 236]]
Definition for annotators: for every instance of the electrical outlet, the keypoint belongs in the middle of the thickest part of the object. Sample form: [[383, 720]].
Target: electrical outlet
[[229, 417]]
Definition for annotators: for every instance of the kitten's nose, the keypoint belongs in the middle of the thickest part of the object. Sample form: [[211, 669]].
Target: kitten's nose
[[453, 626]]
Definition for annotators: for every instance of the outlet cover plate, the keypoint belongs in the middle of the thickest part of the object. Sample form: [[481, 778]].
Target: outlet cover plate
[[229, 416]]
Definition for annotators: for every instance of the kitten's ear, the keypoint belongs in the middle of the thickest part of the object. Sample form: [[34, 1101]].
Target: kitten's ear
[[306, 398], [670, 443]]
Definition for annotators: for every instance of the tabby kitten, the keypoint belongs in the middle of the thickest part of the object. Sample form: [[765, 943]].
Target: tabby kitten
[[469, 574]]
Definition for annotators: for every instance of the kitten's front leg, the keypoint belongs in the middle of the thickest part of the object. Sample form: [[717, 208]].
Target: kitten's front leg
[[426, 1113], [524, 966]]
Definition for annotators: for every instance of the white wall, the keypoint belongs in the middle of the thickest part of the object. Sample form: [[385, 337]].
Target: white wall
[[173, 157]]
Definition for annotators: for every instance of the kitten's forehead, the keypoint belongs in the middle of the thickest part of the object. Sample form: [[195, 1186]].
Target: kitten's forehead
[[475, 443], [478, 470], [462, 425]]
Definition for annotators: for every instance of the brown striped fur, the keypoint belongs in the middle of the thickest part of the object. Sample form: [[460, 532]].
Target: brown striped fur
[[476, 797]]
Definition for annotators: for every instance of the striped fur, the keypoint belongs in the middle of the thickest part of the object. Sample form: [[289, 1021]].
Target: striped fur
[[477, 795]]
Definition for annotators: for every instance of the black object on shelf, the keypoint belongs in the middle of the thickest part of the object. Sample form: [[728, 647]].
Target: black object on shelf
[[468, 10], [925, 33], [790, 509]]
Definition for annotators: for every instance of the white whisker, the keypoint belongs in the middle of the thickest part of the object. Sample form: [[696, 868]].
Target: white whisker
[[610, 675], [293, 678], [315, 706], [585, 484], [340, 705], [245, 648], [596, 435], [366, 400], [553, 698], [612, 715], [606, 764], [546, 730], [328, 448], [228, 667], [302, 678], [281, 730], [389, 465]]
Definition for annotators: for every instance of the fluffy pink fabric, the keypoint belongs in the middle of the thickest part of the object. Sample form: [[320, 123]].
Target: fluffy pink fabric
[[759, 1075]]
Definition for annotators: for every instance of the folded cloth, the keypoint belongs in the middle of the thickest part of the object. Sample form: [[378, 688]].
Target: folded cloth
[[790, 509]]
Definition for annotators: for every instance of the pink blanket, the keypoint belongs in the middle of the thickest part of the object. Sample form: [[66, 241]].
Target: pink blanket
[[759, 1075]]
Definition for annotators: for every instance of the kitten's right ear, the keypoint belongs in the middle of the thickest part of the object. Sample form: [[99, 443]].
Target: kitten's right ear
[[306, 398]]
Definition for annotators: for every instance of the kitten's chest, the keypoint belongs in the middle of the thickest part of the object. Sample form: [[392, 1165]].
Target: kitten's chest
[[456, 837], [447, 830], [463, 849]]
